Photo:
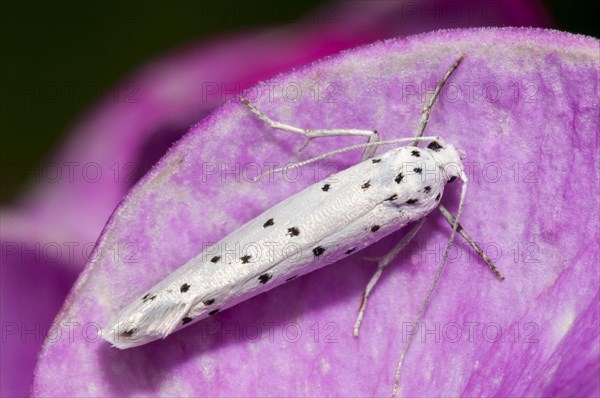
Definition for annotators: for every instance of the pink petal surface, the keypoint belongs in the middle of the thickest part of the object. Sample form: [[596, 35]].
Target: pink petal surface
[[533, 195]]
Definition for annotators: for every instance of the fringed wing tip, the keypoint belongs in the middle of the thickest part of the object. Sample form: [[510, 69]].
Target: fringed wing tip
[[144, 325]]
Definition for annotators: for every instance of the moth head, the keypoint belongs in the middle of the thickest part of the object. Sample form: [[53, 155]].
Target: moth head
[[449, 159]]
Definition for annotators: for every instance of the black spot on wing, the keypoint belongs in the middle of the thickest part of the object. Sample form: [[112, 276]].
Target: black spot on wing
[[411, 201], [375, 228], [375, 160], [148, 296], [326, 187], [416, 154], [185, 320], [427, 189], [264, 278], [317, 251], [269, 223], [366, 185], [184, 288], [294, 231], [418, 170], [208, 302], [392, 198], [246, 259], [215, 259], [350, 251], [128, 332], [438, 196], [399, 178]]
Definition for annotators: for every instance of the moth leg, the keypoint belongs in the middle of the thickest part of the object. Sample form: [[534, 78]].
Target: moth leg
[[382, 263], [312, 133], [461, 231], [427, 109]]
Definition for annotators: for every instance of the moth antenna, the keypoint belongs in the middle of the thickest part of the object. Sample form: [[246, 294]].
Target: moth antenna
[[463, 192], [438, 89], [349, 148]]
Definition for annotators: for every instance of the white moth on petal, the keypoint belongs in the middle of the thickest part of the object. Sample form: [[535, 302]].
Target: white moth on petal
[[315, 227], [320, 225]]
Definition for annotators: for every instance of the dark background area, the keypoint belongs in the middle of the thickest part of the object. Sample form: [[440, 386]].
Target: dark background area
[[57, 57]]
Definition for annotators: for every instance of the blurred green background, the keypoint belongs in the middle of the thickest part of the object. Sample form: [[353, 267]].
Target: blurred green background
[[58, 57]]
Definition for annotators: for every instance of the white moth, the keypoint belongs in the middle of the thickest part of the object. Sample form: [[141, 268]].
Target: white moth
[[315, 227]]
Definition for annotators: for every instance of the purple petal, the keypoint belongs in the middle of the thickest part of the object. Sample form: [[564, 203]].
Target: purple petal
[[530, 131]]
